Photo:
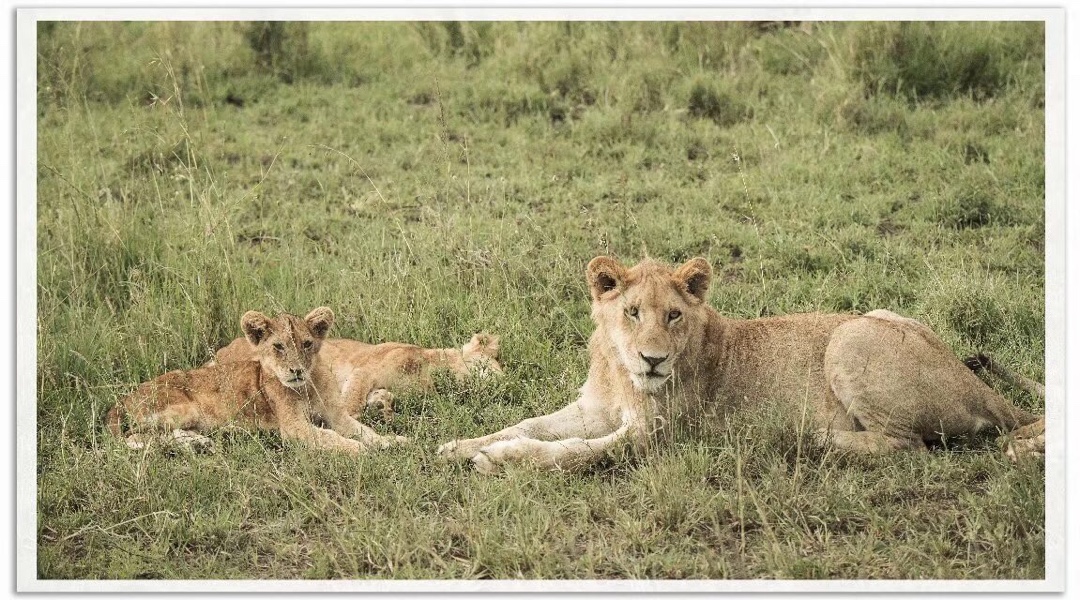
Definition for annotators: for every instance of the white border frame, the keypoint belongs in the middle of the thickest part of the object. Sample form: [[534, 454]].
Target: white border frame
[[26, 293]]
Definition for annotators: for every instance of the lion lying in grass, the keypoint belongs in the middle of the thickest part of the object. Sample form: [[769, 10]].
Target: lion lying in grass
[[285, 385], [660, 354], [369, 375]]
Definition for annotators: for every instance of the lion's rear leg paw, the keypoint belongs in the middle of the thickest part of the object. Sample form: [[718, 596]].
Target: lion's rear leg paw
[[1026, 442], [869, 442]]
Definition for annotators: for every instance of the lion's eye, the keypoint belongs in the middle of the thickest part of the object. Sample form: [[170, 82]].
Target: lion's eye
[[279, 346], [632, 312], [674, 314]]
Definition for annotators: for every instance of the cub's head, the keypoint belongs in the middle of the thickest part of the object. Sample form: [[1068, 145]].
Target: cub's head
[[651, 314], [481, 354], [286, 345]]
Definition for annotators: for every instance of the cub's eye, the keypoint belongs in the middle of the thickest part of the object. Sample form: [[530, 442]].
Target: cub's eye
[[279, 346], [307, 344], [673, 315], [632, 312]]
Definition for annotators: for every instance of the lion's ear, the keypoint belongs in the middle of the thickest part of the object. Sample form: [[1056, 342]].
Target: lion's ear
[[694, 277], [320, 320], [604, 274], [256, 326]]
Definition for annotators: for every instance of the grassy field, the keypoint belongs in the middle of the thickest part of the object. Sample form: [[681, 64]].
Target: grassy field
[[430, 180]]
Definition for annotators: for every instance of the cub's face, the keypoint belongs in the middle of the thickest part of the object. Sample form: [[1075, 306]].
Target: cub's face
[[287, 345], [649, 313], [481, 355]]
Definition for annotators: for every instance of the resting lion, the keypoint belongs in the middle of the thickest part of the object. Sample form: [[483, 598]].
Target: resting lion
[[283, 387], [660, 354], [369, 374]]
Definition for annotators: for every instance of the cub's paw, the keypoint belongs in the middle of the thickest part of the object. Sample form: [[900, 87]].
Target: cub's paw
[[192, 440], [382, 401]]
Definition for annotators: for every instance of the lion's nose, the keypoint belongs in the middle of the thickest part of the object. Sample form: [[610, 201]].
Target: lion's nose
[[653, 360], [297, 373]]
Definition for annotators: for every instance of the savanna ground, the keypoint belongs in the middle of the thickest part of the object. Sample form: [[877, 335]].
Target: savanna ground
[[430, 180]]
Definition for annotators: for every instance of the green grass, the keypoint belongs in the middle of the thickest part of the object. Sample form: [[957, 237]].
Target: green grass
[[430, 180]]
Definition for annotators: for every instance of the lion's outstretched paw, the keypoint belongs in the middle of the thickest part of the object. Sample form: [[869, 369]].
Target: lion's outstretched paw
[[484, 464], [457, 450], [446, 451]]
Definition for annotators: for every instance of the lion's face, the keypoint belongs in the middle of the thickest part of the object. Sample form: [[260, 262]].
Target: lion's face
[[286, 345], [649, 313]]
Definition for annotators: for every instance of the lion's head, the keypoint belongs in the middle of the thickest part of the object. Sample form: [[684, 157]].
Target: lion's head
[[649, 313], [287, 345]]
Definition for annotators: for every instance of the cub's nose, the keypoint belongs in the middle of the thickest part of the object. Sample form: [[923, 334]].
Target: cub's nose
[[297, 373], [653, 360]]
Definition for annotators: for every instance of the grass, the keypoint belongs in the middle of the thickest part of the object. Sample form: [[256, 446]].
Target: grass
[[429, 180]]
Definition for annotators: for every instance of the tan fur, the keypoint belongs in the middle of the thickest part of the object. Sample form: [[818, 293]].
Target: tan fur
[[369, 374], [285, 384], [661, 357]]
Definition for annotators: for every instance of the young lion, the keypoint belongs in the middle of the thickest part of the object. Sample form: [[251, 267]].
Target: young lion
[[283, 387], [369, 374], [873, 383]]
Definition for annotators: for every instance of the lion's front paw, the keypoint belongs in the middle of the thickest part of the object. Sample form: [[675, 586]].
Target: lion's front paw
[[485, 464], [458, 450], [447, 451]]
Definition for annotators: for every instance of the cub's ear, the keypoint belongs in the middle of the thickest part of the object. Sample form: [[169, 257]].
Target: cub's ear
[[483, 343], [320, 320], [256, 326], [694, 277], [604, 274]]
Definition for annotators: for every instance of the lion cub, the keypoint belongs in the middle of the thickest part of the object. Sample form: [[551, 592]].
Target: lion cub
[[369, 374], [284, 385]]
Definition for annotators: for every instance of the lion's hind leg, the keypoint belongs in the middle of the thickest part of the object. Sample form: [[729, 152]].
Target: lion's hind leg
[[900, 381]]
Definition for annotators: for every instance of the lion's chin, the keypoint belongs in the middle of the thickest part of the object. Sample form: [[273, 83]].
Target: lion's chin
[[650, 384], [293, 384]]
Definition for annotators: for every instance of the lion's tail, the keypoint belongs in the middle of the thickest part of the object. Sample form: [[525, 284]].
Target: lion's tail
[[981, 362]]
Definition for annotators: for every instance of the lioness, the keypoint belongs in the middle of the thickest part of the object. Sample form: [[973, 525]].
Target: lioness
[[283, 387], [369, 374], [872, 383]]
